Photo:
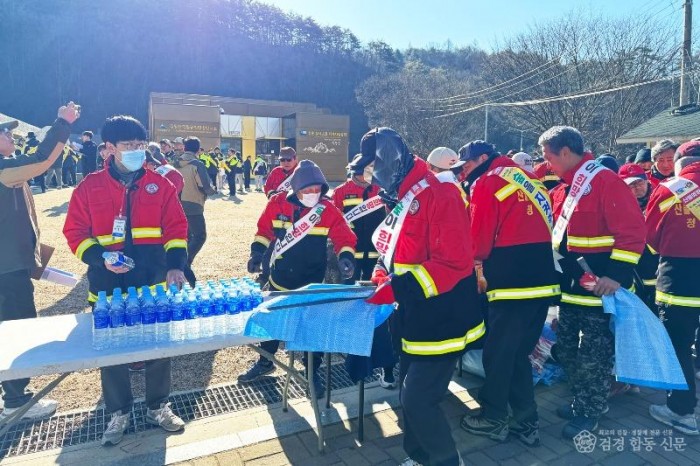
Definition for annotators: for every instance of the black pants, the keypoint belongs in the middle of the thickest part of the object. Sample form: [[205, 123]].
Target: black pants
[[427, 438], [41, 182], [116, 386], [16, 302], [69, 175], [196, 235], [585, 348], [680, 323], [514, 328], [246, 178], [231, 179]]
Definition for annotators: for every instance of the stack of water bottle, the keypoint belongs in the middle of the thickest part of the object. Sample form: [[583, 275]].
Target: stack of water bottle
[[206, 311]]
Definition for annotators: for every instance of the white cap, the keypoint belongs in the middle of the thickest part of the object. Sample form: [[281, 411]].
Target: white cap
[[444, 158], [523, 160]]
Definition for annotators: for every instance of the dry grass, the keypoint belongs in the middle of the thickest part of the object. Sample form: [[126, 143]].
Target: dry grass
[[230, 226]]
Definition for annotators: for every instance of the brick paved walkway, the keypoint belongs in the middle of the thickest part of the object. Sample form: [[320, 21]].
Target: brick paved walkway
[[618, 440]]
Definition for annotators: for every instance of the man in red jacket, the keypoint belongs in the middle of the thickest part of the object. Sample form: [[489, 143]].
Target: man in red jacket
[[296, 225], [427, 267], [128, 208], [597, 218], [278, 179], [511, 225], [673, 229]]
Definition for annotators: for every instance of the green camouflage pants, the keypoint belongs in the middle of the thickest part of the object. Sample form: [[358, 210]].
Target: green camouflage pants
[[585, 348]]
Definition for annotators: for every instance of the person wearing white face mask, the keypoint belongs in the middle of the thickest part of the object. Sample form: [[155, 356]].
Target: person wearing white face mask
[[136, 211], [297, 225]]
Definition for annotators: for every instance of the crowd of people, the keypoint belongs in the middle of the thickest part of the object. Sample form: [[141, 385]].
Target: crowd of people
[[472, 246]]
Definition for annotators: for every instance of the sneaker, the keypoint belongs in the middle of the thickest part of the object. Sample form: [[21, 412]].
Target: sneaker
[[165, 418], [116, 428], [577, 425], [687, 424], [43, 409], [387, 380], [137, 366], [567, 412], [635, 390], [409, 462], [254, 373], [480, 425], [527, 432]]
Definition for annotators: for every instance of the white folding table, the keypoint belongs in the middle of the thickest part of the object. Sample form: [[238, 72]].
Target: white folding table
[[63, 344]]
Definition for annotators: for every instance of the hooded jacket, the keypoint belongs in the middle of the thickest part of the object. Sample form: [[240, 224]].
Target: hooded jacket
[[674, 232], [197, 183]]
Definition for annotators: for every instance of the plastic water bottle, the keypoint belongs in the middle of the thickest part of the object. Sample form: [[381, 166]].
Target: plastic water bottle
[[117, 331], [134, 330], [118, 259], [178, 324], [233, 312], [191, 317], [206, 325], [220, 317], [163, 315], [246, 307], [148, 316], [100, 322]]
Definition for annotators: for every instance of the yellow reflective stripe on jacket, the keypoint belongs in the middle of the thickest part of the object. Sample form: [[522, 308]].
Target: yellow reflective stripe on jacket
[[108, 240], [505, 191], [370, 255], [262, 240], [650, 282], [422, 276], [685, 301], [92, 297], [281, 224], [550, 178], [352, 201], [272, 282], [625, 256], [590, 242], [579, 300], [667, 203], [175, 243], [652, 250], [435, 348], [84, 246], [347, 249], [322, 231], [524, 293], [146, 232]]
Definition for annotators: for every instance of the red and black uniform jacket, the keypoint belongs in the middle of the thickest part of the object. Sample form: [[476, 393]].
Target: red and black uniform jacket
[[156, 228], [606, 228], [543, 171], [346, 197], [305, 262], [275, 179], [434, 282], [674, 232], [511, 238]]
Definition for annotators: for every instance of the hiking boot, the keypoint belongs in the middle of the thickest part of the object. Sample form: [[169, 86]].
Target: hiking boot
[[567, 412], [481, 425], [687, 424], [165, 418], [43, 409], [577, 425], [116, 428], [527, 432], [254, 373], [387, 380]]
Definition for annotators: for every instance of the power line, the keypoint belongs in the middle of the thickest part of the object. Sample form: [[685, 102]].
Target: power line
[[556, 98]]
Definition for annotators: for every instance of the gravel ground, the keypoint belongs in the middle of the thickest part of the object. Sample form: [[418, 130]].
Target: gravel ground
[[230, 225]]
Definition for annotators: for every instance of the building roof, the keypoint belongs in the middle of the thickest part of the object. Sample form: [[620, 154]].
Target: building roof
[[669, 124], [23, 128]]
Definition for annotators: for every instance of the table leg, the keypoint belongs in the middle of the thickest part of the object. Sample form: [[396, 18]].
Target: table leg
[[287, 379], [361, 413], [328, 380], [12, 419], [314, 400]]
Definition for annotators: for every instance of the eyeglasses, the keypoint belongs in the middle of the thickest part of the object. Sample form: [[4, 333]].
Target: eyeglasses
[[286, 160], [131, 145]]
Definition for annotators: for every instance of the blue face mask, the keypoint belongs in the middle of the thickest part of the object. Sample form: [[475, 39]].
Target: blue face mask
[[133, 159]]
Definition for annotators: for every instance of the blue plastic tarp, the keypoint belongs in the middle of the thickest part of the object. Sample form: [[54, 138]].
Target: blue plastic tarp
[[312, 325], [644, 354]]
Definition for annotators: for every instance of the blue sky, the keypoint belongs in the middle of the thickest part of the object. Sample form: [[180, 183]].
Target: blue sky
[[464, 22]]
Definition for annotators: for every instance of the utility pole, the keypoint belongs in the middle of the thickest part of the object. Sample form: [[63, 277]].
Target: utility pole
[[685, 59], [486, 123]]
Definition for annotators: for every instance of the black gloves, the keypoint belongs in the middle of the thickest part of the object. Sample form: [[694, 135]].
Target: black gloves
[[255, 262]]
